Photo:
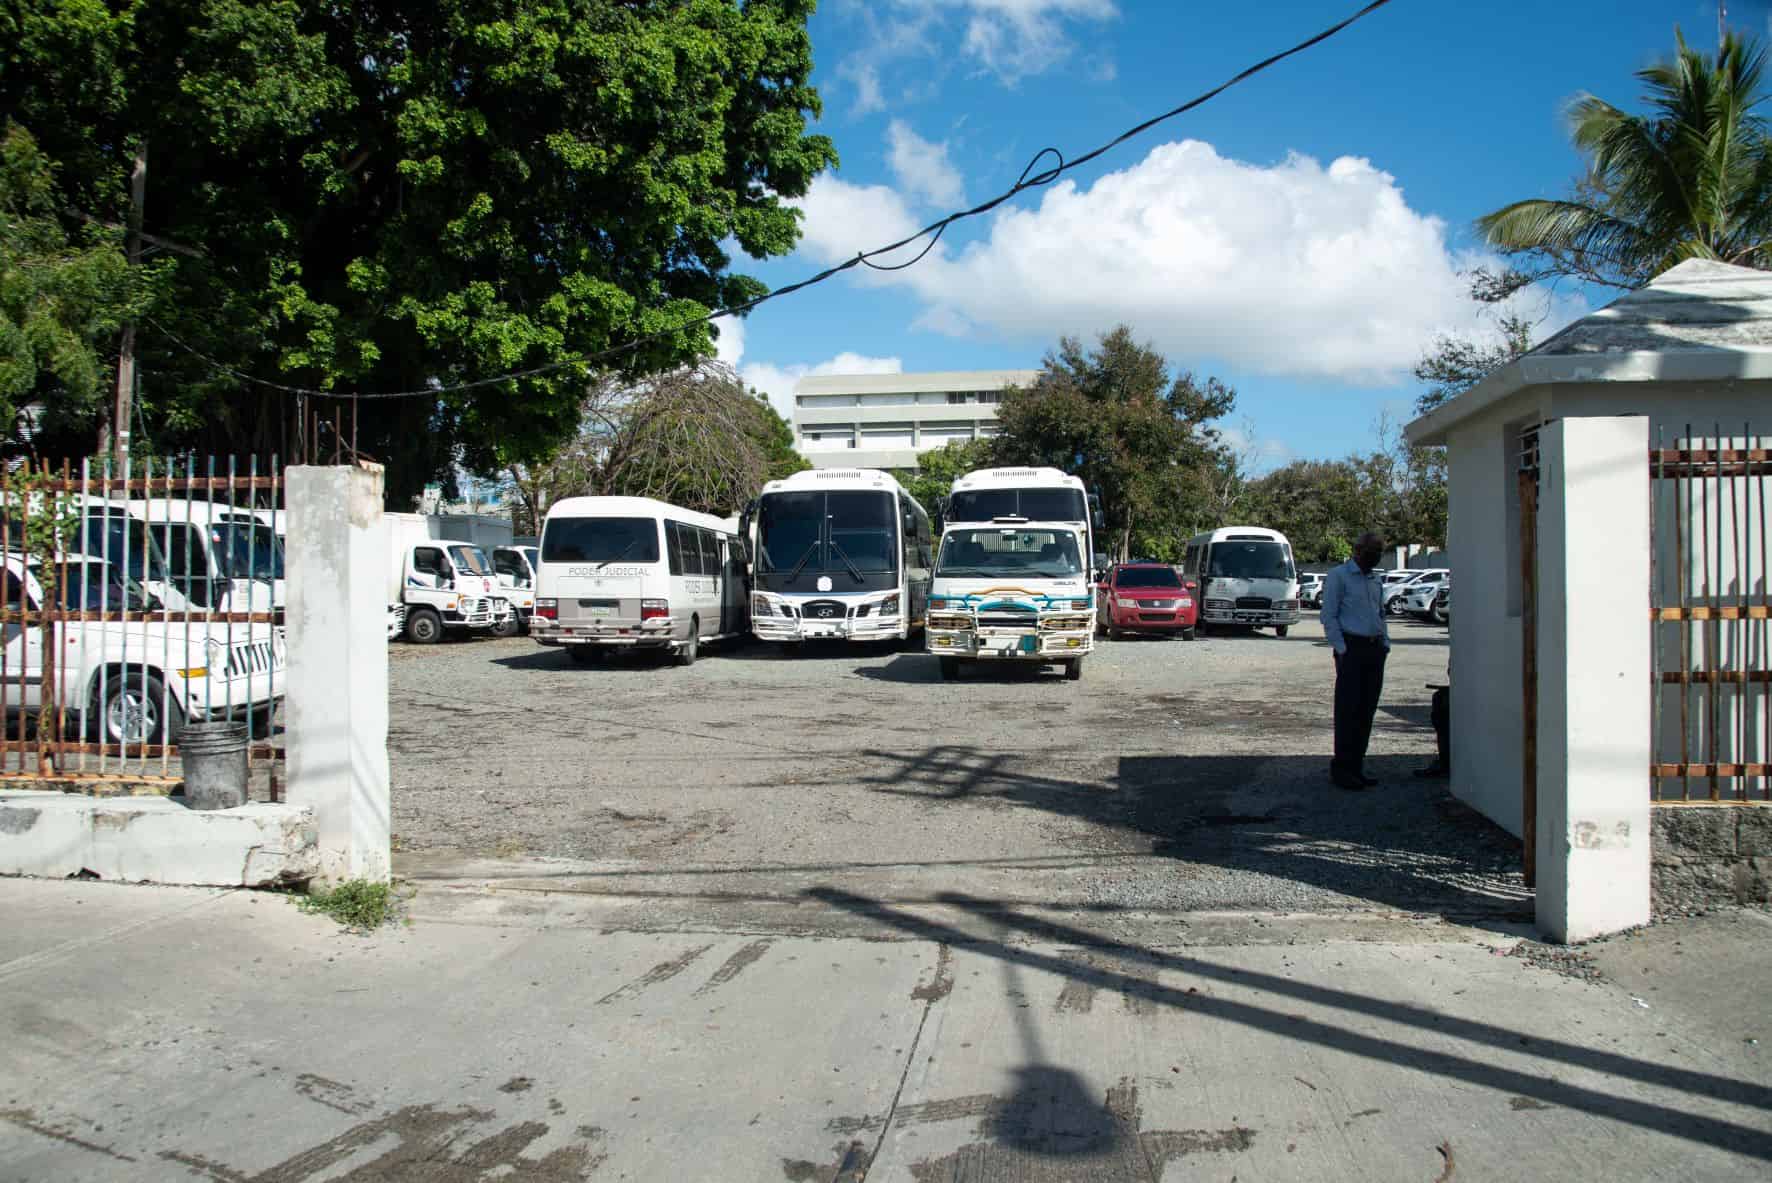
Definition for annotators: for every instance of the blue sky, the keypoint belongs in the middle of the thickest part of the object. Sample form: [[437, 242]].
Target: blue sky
[[1299, 237]]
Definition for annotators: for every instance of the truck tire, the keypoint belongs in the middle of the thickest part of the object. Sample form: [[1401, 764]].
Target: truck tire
[[424, 627], [510, 626], [1187, 634], [690, 649], [950, 669], [131, 711], [1073, 670], [1113, 632]]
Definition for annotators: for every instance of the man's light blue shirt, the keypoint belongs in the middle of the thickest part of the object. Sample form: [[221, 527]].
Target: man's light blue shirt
[[1353, 605]]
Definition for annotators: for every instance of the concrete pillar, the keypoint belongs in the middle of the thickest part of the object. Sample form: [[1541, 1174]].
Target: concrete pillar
[[1593, 677], [337, 709]]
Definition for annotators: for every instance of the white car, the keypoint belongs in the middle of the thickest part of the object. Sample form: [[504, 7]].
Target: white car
[[1396, 593], [135, 683], [1310, 588], [1417, 599]]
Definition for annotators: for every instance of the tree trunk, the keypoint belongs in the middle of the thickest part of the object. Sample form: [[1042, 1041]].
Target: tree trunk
[[123, 406]]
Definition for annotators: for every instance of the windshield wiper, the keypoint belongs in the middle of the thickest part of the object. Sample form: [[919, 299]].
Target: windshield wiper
[[632, 543], [804, 559], [844, 555]]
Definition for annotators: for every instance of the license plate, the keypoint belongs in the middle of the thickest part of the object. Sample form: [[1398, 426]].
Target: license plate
[[600, 610], [1250, 616], [821, 630]]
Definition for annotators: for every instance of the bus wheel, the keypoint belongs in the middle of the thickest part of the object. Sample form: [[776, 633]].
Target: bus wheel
[[1113, 633], [424, 627], [950, 669], [690, 649], [1073, 670], [1187, 634], [510, 626], [1280, 631]]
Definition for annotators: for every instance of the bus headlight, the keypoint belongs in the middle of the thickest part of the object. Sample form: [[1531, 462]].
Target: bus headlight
[[889, 606], [761, 607], [937, 602]]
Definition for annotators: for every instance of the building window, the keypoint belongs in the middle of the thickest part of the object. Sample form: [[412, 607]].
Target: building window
[[990, 396], [956, 397]]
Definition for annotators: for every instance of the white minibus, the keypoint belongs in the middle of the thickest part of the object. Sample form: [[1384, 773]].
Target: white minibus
[[843, 553], [634, 573], [1244, 576]]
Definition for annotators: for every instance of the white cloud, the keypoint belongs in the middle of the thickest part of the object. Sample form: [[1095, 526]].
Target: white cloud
[[864, 77], [730, 347], [1257, 452], [1017, 38], [778, 381], [922, 167], [1293, 268]]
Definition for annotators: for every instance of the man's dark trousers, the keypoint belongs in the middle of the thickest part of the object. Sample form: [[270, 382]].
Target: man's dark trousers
[[1359, 679]]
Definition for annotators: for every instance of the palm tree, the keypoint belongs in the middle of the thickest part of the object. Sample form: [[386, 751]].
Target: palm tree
[[1690, 180]]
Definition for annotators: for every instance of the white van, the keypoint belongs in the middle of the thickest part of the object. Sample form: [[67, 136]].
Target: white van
[[631, 572], [1243, 576], [1012, 590]]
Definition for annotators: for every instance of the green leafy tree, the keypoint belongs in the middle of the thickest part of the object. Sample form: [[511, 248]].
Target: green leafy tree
[[1114, 417], [1690, 179], [938, 468], [64, 294], [377, 195]]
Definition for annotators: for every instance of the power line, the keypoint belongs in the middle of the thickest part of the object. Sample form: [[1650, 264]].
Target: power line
[[1028, 180]]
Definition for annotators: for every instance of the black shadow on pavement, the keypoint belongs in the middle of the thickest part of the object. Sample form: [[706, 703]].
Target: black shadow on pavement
[[1690, 1122]]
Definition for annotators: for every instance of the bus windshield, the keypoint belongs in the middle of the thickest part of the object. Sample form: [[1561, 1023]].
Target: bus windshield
[[600, 540], [838, 530], [987, 553], [1250, 560], [1036, 505]]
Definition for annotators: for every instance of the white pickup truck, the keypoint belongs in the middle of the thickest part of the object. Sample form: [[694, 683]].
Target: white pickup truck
[[134, 683]]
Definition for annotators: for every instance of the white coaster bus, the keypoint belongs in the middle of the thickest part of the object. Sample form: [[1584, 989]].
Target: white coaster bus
[[843, 553], [1037, 494], [634, 573], [1243, 575], [1011, 590]]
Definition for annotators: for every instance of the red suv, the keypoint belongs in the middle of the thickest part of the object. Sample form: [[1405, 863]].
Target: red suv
[[1145, 597]]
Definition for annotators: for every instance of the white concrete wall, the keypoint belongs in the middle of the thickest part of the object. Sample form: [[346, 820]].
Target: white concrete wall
[[337, 708], [1486, 660], [1593, 677]]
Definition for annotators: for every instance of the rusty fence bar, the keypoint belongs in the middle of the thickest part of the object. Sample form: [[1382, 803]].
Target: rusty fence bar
[[1709, 584], [133, 600]]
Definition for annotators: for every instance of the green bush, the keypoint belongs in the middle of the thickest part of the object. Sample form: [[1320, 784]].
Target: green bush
[[357, 904]]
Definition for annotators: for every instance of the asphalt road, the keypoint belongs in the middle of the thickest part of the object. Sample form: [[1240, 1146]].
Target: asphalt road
[[1175, 776]]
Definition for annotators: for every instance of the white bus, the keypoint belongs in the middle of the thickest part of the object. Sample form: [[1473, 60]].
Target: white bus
[[1011, 590], [1037, 494], [634, 573], [838, 552], [1243, 576]]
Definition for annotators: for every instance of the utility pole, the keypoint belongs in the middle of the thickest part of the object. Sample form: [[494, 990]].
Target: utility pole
[[123, 405]]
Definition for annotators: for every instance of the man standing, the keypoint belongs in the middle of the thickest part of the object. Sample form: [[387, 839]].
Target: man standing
[[1353, 621]]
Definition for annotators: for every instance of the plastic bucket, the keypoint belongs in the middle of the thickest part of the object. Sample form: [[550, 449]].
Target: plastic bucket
[[214, 756]]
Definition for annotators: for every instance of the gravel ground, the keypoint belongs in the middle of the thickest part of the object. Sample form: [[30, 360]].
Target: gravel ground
[[1175, 775]]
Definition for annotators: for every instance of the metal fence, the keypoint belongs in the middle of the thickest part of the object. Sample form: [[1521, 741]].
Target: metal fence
[[133, 602], [1710, 618]]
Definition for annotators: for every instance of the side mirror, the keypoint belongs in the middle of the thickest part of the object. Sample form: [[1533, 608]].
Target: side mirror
[[1191, 585]]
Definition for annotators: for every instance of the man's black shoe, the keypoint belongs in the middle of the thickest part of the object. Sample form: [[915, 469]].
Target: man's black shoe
[[1352, 784], [1434, 771]]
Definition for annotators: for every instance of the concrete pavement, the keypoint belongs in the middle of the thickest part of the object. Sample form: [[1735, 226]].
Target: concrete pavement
[[157, 1033]]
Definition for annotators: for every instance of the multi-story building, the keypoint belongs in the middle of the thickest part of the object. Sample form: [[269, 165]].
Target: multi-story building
[[886, 420]]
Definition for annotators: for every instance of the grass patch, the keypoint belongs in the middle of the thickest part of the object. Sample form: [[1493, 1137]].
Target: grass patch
[[357, 904]]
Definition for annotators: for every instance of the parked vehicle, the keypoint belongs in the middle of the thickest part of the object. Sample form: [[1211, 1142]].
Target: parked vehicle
[[218, 556], [1399, 594], [1417, 599], [840, 553], [1011, 590], [1244, 575], [515, 568], [1036, 494], [1310, 589], [1442, 609], [135, 683], [634, 573], [1144, 598], [443, 586]]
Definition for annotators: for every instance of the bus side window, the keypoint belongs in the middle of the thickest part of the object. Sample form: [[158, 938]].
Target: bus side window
[[710, 552], [674, 545]]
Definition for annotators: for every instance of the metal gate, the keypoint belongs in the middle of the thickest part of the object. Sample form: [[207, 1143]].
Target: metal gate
[[1710, 613], [132, 602]]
